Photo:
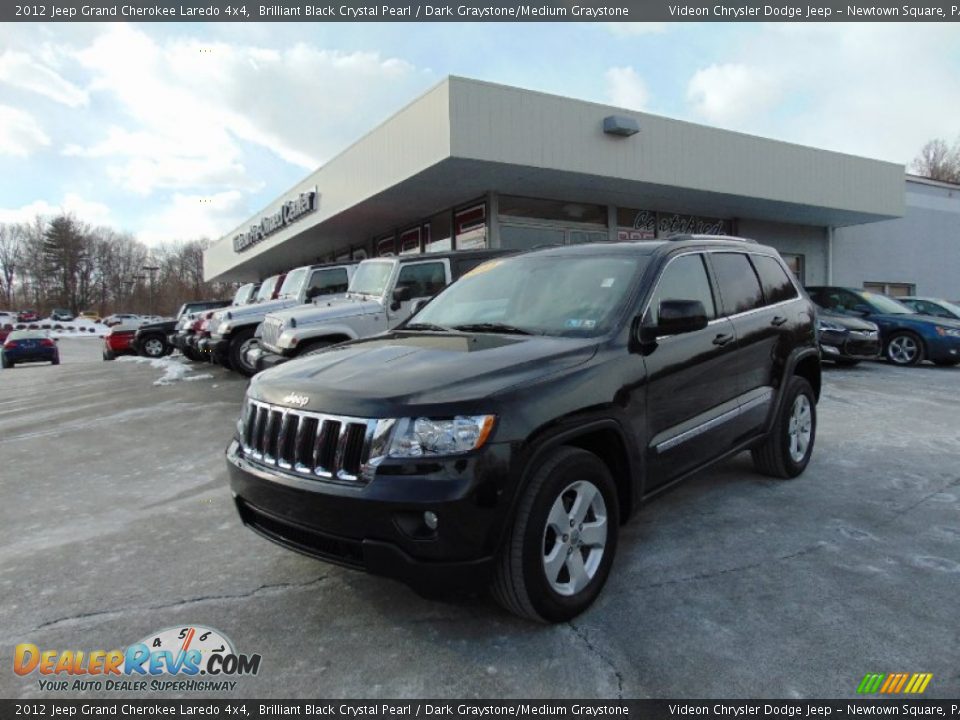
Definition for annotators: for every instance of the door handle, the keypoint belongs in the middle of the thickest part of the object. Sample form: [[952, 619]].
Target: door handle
[[778, 320], [723, 339]]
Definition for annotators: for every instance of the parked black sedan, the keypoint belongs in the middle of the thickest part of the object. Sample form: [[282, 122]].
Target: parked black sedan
[[847, 340], [153, 340], [29, 346]]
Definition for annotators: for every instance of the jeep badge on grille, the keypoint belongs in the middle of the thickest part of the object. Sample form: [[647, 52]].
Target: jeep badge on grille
[[295, 399]]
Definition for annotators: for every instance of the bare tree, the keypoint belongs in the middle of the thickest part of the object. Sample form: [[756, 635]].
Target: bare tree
[[11, 258], [938, 161]]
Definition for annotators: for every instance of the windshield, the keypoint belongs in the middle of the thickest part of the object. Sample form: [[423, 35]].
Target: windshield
[[563, 295], [293, 283], [371, 277], [242, 294], [266, 290], [884, 304]]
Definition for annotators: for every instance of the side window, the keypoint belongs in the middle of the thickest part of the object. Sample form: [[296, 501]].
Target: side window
[[423, 279], [773, 279], [685, 278], [328, 282], [739, 286]]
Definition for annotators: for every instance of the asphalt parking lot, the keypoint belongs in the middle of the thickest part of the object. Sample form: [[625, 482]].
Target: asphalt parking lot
[[116, 521]]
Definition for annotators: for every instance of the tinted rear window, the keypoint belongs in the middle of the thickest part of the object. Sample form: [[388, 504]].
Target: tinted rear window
[[739, 287]]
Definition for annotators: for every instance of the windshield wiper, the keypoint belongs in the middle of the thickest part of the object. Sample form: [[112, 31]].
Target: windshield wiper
[[492, 328], [425, 326]]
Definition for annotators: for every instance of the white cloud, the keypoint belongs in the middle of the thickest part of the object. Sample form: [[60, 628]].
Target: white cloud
[[635, 29], [189, 103], [20, 70], [732, 93], [190, 216], [626, 88], [840, 86], [20, 134], [89, 211]]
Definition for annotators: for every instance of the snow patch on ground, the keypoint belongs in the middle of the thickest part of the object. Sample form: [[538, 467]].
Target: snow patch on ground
[[174, 369]]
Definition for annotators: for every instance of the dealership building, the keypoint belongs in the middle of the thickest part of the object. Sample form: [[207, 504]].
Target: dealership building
[[472, 164]]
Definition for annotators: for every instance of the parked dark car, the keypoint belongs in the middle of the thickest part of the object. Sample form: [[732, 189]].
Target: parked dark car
[[935, 307], [27, 316], [907, 338], [119, 341], [507, 430], [847, 340], [23, 346], [183, 336], [153, 339]]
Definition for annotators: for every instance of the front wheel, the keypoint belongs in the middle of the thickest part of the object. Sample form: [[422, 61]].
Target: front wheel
[[109, 355], [905, 349], [787, 449], [7, 363], [557, 557], [153, 347], [241, 342]]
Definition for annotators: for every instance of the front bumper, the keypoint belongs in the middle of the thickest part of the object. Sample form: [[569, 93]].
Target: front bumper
[[378, 526], [263, 359], [943, 349], [848, 346]]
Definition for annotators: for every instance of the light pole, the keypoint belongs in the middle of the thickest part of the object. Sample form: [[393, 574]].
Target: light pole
[[151, 269], [127, 290], [136, 279]]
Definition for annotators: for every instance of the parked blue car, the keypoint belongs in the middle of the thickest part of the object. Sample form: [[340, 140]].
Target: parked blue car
[[907, 337], [932, 306], [29, 346]]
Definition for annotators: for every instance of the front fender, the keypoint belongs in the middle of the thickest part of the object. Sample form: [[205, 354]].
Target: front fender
[[326, 330]]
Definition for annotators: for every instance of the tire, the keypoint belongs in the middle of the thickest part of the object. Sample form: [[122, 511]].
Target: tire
[[153, 346], [314, 347], [904, 348], [846, 362], [783, 454], [190, 354], [946, 363], [236, 354], [521, 582], [7, 363], [55, 361], [109, 355]]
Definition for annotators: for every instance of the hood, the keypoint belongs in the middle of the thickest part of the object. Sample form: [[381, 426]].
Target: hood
[[243, 311], [845, 321], [328, 309], [908, 319], [389, 375]]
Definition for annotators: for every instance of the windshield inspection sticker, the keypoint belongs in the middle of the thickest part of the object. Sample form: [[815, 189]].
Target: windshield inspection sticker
[[607, 282], [576, 323]]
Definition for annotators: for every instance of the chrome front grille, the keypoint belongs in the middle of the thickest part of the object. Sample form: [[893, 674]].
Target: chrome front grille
[[270, 332], [305, 443]]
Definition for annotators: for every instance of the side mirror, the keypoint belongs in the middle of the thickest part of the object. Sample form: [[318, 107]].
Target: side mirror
[[312, 293], [419, 304], [681, 316], [862, 309], [400, 295]]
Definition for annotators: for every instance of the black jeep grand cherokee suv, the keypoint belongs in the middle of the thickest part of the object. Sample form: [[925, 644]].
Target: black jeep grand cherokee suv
[[508, 429]]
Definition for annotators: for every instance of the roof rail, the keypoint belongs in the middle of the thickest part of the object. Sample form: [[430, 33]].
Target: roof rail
[[693, 236]]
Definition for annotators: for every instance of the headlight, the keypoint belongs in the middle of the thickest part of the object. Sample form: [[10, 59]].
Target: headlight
[[221, 329], [417, 437], [826, 325], [947, 332]]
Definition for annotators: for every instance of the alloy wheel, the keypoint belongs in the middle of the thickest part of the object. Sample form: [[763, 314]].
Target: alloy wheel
[[574, 537], [800, 428], [903, 350], [153, 347]]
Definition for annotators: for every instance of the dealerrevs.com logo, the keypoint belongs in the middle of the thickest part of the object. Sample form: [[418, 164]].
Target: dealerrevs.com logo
[[176, 659]]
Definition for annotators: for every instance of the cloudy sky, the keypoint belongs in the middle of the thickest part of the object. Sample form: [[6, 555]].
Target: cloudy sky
[[175, 131]]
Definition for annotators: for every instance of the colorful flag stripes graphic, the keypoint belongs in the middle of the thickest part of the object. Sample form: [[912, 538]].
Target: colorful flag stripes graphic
[[893, 683]]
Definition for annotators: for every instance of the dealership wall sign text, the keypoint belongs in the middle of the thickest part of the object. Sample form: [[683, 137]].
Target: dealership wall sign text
[[287, 214]]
